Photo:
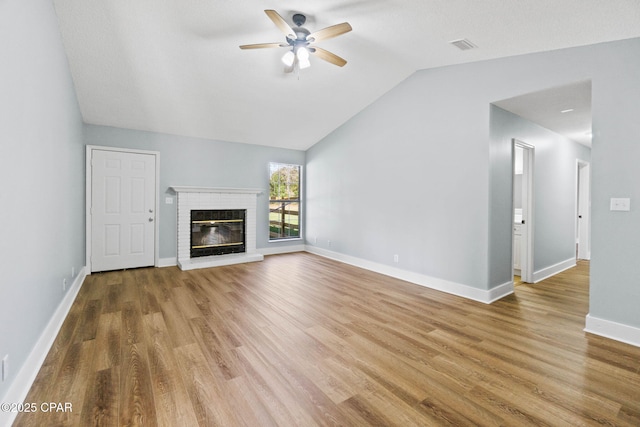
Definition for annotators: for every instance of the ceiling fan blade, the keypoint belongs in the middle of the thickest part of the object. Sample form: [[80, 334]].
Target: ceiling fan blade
[[329, 32], [281, 23], [328, 56], [262, 45]]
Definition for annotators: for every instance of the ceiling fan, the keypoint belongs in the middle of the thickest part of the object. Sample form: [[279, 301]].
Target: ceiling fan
[[299, 41]]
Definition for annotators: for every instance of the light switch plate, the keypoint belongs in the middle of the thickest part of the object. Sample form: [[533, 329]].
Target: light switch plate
[[168, 200], [620, 204]]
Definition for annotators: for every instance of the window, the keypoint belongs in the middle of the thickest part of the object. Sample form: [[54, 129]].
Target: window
[[284, 201]]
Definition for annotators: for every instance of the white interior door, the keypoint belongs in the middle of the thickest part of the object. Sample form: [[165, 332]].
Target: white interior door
[[123, 202], [584, 210], [524, 164]]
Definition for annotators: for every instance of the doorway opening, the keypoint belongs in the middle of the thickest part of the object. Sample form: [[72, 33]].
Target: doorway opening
[[583, 207], [522, 212]]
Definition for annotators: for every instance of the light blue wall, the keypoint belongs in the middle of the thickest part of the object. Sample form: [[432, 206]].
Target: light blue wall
[[408, 176], [197, 162], [615, 245], [42, 175], [416, 174], [554, 193]]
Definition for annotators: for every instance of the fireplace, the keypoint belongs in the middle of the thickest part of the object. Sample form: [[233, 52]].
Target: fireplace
[[217, 232], [223, 238]]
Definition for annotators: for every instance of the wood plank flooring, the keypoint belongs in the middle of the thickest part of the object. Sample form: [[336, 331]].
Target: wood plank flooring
[[299, 340]]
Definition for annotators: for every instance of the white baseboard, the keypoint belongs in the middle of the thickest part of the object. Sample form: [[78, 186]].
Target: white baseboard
[[167, 262], [481, 295], [613, 330], [275, 250], [552, 270], [23, 381], [499, 292]]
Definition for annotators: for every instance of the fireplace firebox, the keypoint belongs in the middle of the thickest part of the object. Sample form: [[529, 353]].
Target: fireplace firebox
[[217, 232]]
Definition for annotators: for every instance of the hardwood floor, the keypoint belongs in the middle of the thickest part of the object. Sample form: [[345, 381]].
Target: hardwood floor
[[299, 340]]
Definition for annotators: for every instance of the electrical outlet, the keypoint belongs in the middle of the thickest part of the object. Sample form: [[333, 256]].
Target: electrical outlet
[[396, 258], [64, 284], [315, 239], [5, 367], [329, 243], [73, 272]]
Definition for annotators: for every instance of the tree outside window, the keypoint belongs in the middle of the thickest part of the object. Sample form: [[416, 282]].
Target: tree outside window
[[284, 201]]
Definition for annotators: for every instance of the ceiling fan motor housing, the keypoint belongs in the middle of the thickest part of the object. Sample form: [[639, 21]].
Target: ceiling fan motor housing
[[299, 19], [300, 32]]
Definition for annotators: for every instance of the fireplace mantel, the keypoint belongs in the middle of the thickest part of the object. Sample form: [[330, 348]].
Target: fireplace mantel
[[194, 198], [182, 189]]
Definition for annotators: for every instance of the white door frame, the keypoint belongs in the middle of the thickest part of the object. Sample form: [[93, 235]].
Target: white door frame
[[88, 182], [526, 271], [583, 208]]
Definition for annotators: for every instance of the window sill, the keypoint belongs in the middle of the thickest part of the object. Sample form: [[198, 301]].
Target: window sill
[[291, 239]]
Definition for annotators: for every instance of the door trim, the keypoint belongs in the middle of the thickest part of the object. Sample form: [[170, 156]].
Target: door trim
[[88, 182], [528, 159]]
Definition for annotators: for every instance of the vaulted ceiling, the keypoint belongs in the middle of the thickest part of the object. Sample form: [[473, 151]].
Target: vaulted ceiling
[[174, 66]]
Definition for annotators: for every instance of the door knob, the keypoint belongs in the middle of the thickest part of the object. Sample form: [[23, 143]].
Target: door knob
[[150, 219], [150, 210]]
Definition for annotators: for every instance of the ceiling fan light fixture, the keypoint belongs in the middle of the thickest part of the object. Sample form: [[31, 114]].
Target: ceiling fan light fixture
[[298, 42], [302, 54], [304, 64], [288, 58]]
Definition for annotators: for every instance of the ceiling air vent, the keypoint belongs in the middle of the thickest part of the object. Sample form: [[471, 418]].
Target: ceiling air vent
[[463, 44]]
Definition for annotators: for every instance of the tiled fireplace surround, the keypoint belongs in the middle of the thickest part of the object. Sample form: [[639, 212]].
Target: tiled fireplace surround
[[192, 198]]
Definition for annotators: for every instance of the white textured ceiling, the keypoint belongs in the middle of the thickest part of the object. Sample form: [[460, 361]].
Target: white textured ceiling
[[174, 66], [565, 110]]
